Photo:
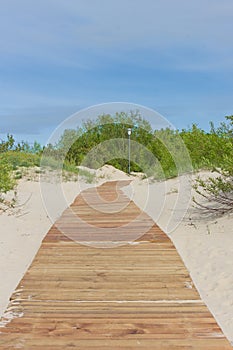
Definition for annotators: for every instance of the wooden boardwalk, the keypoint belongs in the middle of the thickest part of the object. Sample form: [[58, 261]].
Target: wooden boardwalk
[[135, 296]]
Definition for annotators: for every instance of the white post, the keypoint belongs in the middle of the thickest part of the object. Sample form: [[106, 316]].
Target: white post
[[129, 133]]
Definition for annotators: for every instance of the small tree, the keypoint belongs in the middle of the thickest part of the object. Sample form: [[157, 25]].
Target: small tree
[[8, 144]]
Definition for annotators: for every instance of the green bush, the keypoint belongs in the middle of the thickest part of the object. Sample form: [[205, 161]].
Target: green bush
[[176, 151], [20, 159], [207, 150], [218, 191], [173, 152], [170, 157], [6, 179], [70, 167], [89, 177], [12, 160]]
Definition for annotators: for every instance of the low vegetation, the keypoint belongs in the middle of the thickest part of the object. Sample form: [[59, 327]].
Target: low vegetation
[[163, 153], [218, 190], [6, 179]]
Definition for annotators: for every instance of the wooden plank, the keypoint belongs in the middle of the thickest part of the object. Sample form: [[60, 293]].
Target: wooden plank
[[138, 295]]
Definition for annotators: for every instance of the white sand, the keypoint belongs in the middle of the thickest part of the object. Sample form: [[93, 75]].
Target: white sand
[[206, 247], [21, 232], [23, 228]]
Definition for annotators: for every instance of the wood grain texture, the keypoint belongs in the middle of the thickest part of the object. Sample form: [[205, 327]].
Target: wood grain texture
[[138, 295]]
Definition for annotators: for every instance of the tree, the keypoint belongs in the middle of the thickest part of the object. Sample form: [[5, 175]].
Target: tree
[[8, 144]]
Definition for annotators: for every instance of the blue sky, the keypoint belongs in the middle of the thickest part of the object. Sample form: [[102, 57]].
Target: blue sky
[[59, 56]]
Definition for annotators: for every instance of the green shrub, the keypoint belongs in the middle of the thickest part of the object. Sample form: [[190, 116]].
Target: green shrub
[[18, 175], [89, 177], [20, 159], [6, 179], [70, 167], [218, 190], [175, 152], [48, 161]]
